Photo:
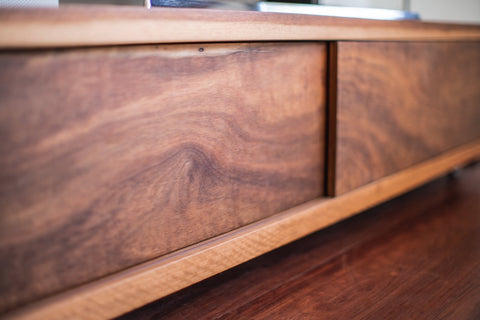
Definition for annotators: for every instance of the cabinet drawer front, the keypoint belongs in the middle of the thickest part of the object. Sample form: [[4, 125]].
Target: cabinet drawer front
[[402, 103], [114, 156]]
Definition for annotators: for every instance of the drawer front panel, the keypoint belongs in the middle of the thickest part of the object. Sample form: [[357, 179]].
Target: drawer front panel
[[402, 103], [114, 156]]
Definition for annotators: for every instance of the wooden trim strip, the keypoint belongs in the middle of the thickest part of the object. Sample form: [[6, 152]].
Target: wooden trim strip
[[109, 25], [145, 283]]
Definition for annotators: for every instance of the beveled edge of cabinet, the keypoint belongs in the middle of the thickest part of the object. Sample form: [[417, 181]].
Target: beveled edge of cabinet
[[95, 25], [142, 284]]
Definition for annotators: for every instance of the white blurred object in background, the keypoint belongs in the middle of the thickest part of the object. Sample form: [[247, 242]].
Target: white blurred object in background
[[383, 4], [28, 3]]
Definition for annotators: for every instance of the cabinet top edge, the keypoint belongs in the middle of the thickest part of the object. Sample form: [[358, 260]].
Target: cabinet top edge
[[97, 25]]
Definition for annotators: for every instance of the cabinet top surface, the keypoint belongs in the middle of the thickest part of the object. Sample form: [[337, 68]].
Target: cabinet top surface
[[94, 25]]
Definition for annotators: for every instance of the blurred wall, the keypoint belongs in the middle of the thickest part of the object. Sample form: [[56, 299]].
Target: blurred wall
[[447, 10], [430, 10]]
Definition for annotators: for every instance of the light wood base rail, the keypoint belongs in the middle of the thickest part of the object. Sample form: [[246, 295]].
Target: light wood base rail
[[130, 289]]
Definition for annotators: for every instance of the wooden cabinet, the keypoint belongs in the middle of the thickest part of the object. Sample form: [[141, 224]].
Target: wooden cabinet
[[133, 167]]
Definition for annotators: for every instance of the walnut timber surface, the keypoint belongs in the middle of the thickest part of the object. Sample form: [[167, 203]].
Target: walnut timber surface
[[114, 156], [400, 103]]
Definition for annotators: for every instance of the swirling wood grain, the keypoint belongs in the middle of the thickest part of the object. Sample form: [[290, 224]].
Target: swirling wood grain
[[114, 156]]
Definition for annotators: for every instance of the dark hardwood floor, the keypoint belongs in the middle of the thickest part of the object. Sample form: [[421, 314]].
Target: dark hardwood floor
[[415, 257]]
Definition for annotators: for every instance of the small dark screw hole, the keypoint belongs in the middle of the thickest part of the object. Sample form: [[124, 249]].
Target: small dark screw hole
[[201, 49]]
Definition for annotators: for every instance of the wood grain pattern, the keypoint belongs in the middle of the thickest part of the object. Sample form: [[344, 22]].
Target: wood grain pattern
[[110, 25], [145, 283], [111, 157], [417, 256], [402, 103]]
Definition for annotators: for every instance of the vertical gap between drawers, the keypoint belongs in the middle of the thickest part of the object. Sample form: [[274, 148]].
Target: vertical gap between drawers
[[331, 123]]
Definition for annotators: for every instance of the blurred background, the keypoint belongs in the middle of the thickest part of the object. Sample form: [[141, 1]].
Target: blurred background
[[446, 10], [430, 10], [463, 11]]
